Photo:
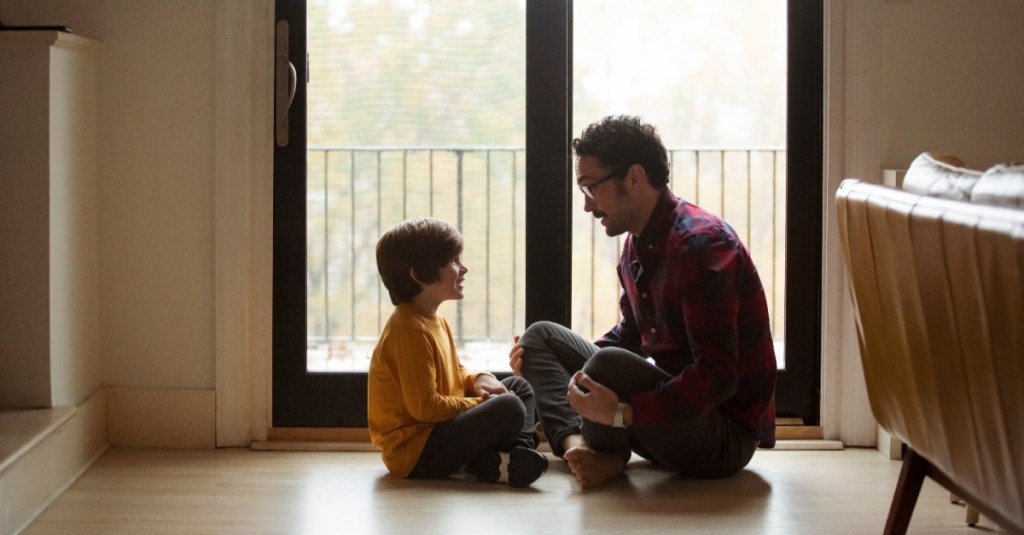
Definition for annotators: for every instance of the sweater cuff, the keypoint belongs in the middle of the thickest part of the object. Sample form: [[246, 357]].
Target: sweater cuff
[[471, 378]]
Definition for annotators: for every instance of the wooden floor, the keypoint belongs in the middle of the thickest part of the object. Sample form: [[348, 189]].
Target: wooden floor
[[242, 491]]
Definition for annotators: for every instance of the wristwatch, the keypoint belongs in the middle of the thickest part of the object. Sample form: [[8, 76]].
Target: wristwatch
[[617, 420]]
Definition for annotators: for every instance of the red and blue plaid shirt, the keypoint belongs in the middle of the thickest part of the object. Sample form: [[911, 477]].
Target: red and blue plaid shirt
[[692, 300]]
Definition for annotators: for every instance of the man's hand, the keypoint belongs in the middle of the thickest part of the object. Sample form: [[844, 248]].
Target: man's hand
[[592, 400], [515, 357], [486, 385]]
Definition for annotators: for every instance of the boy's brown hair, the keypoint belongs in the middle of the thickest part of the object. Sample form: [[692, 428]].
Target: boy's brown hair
[[419, 246]]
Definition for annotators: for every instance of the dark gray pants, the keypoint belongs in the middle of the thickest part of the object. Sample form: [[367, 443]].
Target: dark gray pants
[[501, 423], [710, 445]]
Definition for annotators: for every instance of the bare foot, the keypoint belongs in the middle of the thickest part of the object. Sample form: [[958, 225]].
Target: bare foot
[[592, 467]]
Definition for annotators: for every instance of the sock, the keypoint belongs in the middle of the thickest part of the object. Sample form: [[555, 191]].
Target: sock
[[503, 467]]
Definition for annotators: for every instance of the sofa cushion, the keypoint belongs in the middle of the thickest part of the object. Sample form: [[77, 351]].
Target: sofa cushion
[[1002, 185], [940, 175]]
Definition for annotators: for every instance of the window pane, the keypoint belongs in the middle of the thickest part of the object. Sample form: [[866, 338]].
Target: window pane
[[415, 108], [711, 75]]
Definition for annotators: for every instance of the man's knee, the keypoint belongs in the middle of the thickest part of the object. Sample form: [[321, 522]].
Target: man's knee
[[538, 333], [609, 363]]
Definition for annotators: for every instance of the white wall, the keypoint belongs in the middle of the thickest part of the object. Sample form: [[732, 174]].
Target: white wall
[[953, 80], [155, 155], [155, 200], [75, 360], [24, 229], [49, 324]]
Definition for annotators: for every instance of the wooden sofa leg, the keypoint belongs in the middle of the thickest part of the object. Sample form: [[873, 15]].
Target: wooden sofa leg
[[972, 516], [915, 468]]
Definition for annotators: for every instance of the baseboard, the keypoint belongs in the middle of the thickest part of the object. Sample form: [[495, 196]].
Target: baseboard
[[889, 445], [786, 431], [310, 445], [808, 445], [161, 417], [59, 445]]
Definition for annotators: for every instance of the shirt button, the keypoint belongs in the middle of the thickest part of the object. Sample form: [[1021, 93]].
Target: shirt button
[[654, 330], [644, 295]]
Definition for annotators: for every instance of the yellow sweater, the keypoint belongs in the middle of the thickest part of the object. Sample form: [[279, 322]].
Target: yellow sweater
[[415, 381]]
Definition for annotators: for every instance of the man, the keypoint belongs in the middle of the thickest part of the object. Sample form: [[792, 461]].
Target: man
[[687, 377]]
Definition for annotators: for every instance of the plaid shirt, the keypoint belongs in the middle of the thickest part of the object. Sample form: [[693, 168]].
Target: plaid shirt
[[692, 300]]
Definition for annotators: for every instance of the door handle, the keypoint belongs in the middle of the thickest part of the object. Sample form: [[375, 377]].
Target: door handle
[[285, 82]]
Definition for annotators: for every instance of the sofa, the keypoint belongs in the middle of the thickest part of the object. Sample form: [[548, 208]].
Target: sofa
[[936, 274]]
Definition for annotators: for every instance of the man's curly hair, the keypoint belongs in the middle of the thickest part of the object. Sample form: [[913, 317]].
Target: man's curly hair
[[620, 141]]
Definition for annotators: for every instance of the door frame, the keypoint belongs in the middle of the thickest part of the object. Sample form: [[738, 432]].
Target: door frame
[[243, 164]]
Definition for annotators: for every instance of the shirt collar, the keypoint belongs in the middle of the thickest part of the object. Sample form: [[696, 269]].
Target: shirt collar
[[661, 221]]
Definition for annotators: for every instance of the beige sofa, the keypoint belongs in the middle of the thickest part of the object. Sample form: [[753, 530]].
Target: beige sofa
[[936, 272]]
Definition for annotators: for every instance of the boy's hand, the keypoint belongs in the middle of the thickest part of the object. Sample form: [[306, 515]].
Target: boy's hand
[[515, 357], [486, 386]]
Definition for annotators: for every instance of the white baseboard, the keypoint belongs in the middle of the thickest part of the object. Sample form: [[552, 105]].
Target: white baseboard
[[162, 418], [889, 445], [807, 445]]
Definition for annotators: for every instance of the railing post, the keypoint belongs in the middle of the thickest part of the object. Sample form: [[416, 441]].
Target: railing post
[[459, 199], [327, 233]]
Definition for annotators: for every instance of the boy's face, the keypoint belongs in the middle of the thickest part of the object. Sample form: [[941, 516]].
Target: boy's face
[[451, 278]]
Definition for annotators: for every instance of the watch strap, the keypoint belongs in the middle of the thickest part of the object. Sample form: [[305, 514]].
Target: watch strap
[[617, 420]]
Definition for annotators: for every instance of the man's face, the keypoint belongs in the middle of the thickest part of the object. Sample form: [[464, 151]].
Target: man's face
[[608, 199]]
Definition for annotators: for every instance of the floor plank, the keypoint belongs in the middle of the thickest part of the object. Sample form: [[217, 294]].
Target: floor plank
[[244, 491]]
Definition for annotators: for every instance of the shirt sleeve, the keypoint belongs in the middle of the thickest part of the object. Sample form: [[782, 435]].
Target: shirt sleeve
[[707, 288], [417, 373]]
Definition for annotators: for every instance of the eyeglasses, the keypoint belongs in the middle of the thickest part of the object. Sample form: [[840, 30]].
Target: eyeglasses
[[588, 189]]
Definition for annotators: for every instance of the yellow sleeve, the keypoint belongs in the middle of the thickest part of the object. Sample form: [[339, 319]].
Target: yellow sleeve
[[425, 397], [469, 378]]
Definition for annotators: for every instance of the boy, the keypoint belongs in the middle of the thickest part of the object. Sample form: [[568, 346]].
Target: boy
[[426, 412]]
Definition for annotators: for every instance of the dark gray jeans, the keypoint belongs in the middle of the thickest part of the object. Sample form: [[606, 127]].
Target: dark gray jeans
[[708, 446], [501, 423]]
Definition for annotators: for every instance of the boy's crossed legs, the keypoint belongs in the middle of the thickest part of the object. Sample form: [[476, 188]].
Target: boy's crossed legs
[[495, 440]]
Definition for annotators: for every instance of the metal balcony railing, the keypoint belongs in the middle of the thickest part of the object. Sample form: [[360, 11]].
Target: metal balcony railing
[[355, 193]]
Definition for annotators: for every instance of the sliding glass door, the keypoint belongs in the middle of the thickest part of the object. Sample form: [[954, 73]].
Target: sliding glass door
[[464, 110]]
